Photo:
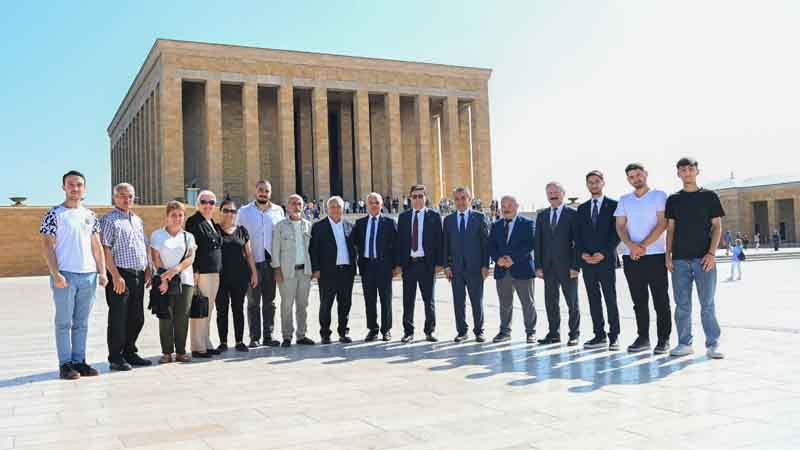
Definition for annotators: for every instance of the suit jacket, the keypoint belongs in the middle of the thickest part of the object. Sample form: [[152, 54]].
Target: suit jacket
[[283, 251], [555, 249], [431, 239], [323, 249], [467, 252], [518, 247], [601, 239], [385, 243]]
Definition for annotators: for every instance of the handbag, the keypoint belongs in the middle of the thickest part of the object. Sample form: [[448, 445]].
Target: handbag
[[741, 256], [199, 308]]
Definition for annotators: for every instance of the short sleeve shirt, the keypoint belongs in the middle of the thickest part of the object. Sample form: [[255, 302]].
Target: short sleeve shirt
[[234, 262], [171, 250], [692, 213], [73, 229], [642, 214], [124, 234]]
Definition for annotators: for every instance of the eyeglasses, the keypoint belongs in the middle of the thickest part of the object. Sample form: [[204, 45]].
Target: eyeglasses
[[418, 196], [228, 211], [208, 202]]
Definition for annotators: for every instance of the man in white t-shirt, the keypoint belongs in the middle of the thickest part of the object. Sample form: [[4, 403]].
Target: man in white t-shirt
[[74, 256], [641, 225], [258, 217]]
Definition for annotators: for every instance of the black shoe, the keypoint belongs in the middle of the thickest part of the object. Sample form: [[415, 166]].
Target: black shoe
[[119, 366], [305, 340], [572, 342], [325, 340], [531, 338], [212, 351], [387, 336], [550, 339], [240, 347], [254, 343], [66, 372], [431, 338], [371, 336], [85, 370], [345, 339], [639, 345], [137, 361], [408, 338], [201, 354], [613, 343], [222, 348], [596, 342], [661, 348], [501, 337], [286, 343], [480, 338], [460, 338], [269, 342]]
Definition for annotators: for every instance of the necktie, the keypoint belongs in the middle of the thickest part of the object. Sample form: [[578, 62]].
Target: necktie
[[554, 219], [505, 228], [594, 213], [372, 234], [415, 233], [461, 225]]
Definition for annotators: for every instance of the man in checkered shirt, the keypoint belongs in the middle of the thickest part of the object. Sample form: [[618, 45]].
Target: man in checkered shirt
[[125, 246]]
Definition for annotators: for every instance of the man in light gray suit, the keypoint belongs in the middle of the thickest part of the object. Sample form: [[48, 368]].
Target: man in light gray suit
[[466, 260]]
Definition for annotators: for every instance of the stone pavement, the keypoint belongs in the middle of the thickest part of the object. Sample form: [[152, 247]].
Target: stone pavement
[[418, 396]]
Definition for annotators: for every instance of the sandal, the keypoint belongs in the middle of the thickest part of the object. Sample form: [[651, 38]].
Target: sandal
[[183, 358], [165, 359]]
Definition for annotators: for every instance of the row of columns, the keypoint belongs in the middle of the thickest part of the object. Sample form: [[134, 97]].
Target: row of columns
[[136, 154]]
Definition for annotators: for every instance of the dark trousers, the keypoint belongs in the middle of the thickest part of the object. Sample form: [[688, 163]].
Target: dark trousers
[[418, 274], [649, 272], [262, 297], [603, 278], [472, 283], [125, 314], [231, 295], [336, 287], [553, 280], [377, 283]]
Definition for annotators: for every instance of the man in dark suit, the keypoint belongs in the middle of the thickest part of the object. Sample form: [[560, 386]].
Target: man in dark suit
[[557, 262], [596, 244], [510, 246], [419, 254], [374, 237], [333, 258], [466, 259]]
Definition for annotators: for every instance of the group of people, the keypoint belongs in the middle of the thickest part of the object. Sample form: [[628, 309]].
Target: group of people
[[258, 249]]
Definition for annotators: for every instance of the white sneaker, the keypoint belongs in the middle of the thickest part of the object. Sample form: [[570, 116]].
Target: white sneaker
[[681, 350], [714, 353]]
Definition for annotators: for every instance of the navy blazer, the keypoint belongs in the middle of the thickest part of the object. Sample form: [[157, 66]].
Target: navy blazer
[[384, 243], [556, 249], [602, 239], [518, 247], [468, 252], [431, 239], [323, 250]]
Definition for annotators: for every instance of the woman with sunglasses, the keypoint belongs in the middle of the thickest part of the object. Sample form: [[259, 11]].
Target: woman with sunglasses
[[238, 273], [207, 266]]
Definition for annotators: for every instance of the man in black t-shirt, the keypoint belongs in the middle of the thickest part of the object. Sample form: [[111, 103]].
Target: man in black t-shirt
[[694, 227]]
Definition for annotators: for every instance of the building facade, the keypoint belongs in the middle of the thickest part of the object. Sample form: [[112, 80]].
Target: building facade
[[761, 205], [221, 117]]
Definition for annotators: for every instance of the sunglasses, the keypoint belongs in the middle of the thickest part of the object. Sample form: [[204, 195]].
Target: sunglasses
[[228, 211], [418, 196], [208, 202]]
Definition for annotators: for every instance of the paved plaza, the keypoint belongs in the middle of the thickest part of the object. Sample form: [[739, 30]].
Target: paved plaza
[[419, 396]]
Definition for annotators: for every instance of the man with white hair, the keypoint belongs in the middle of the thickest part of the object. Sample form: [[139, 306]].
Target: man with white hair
[[125, 245], [333, 264]]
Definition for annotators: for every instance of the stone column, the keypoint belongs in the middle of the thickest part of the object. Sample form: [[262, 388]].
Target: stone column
[[137, 152], [146, 175], [464, 147], [772, 216], [286, 161], [153, 181], [251, 150], [437, 160], [450, 154], [171, 132], [306, 132], [214, 155], [322, 176], [481, 149], [394, 139], [159, 188], [346, 146], [425, 153], [797, 218], [363, 152]]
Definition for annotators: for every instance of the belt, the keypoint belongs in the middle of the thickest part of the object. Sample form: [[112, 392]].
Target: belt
[[343, 266], [299, 266], [414, 259]]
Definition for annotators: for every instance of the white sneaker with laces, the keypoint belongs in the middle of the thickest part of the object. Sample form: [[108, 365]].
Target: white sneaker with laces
[[681, 350], [714, 353]]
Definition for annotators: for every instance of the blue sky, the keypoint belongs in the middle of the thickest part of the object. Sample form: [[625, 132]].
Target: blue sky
[[577, 85]]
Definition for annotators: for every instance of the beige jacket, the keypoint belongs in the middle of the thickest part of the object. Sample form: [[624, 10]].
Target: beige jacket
[[283, 250]]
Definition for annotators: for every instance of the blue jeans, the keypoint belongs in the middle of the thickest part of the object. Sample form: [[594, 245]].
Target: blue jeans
[[73, 305], [686, 271]]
